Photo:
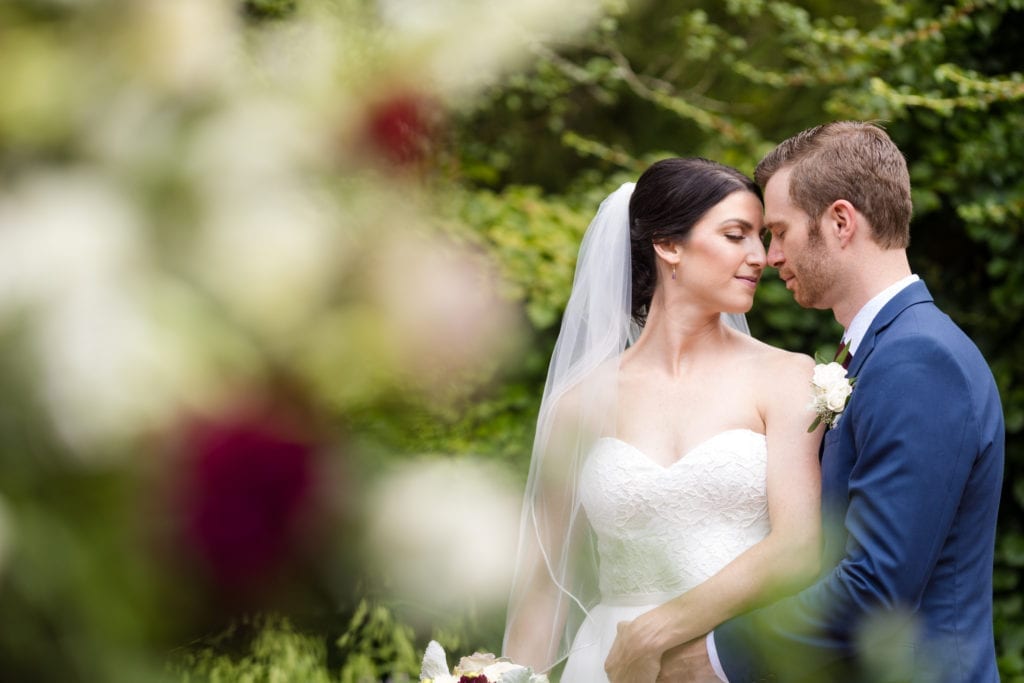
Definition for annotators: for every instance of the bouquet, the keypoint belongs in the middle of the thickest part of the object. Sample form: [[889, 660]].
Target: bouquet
[[480, 667]]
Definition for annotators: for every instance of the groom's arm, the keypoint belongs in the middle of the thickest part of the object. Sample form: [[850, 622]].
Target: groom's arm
[[688, 663], [916, 437]]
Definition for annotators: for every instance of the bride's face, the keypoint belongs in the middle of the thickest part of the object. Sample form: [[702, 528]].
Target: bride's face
[[722, 258]]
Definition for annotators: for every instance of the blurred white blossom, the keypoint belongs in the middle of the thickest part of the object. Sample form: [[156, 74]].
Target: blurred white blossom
[[77, 264], [108, 370], [268, 244], [442, 307], [252, 146], [304, 55], [445, 531], [62, 231], [184, 45], [270, 259], [473, 40]]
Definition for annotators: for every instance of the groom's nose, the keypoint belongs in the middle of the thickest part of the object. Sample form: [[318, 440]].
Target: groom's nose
[[775, 256]]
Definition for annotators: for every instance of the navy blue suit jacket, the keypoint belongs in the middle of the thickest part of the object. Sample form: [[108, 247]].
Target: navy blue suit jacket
[[911, 478]]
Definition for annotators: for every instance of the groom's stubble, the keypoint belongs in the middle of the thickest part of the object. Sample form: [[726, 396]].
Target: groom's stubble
[[813, 268]]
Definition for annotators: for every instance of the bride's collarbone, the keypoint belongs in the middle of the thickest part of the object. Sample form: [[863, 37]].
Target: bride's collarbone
[[694, 390], [673, 420], [725, 370]]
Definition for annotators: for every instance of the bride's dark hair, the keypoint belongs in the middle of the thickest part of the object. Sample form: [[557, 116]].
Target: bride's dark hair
[[669, 198]]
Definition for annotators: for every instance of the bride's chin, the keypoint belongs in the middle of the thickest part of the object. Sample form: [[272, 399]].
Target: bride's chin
[[739, 308]]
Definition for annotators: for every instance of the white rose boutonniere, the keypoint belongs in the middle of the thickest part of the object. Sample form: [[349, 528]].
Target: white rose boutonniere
[[830, 392]]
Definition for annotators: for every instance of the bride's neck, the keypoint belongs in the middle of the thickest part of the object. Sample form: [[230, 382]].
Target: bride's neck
[[674, 338]]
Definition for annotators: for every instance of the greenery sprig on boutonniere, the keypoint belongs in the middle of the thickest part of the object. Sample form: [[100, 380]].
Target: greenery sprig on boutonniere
[[830, 389]]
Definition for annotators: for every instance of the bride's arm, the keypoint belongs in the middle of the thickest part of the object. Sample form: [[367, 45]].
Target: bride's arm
[[538, 610], [553, 530], [786, 560], [531, 636]]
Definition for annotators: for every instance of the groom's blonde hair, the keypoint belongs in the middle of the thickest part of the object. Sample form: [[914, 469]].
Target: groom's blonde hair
[[851, 160]]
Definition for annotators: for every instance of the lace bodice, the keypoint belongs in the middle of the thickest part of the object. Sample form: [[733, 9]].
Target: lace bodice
[[666, 529]]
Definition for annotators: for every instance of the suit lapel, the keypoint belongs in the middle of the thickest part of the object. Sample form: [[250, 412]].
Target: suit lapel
[[912, 294]]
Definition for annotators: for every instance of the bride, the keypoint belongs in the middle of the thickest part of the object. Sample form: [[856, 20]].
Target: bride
[[673, 482]]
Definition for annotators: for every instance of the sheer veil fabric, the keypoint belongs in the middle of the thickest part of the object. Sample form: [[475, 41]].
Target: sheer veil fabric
[[555, 580]]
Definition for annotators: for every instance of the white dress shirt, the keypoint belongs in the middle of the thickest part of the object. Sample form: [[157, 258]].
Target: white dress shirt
[[854, 334], [852, 337]]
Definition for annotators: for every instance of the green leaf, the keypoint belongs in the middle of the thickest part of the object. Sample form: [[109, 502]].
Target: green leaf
[[814, 425]]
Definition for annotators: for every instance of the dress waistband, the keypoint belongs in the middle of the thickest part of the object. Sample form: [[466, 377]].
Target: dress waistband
[[637, 599]]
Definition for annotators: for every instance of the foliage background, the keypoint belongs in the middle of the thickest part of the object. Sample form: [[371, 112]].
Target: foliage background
[[726, 80], [505, 172]]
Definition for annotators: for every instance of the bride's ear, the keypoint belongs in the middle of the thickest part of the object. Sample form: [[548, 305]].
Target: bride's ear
[[668, 251]]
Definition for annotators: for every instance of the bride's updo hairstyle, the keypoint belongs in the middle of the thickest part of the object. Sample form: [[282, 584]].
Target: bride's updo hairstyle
[[669, 199]]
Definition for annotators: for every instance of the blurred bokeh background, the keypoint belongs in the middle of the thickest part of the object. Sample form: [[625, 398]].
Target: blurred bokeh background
[[280, 279]]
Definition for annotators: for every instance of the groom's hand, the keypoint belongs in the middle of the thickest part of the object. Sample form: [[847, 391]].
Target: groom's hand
[[688, 663], [630, 660]]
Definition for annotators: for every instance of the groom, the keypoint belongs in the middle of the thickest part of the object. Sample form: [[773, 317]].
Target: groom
[[911, 474]]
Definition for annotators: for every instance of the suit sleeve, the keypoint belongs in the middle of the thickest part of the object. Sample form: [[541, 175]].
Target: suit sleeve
[[915, 436]]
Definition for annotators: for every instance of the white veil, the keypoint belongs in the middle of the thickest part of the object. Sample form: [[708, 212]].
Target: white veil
[[556, 570]]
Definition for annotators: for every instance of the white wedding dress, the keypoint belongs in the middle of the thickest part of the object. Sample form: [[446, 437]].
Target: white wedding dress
[[662, 530]]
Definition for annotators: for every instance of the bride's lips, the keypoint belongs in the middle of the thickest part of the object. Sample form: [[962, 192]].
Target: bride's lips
[[751, 280]]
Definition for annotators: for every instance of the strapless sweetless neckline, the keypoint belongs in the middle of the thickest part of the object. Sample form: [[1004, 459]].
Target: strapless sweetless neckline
[[661, 529], [686, 454]]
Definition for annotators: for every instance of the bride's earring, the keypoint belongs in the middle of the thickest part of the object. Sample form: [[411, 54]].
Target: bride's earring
[[673, 272]]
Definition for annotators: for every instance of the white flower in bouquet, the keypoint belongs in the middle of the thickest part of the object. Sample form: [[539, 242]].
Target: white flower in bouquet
[[480, 667]]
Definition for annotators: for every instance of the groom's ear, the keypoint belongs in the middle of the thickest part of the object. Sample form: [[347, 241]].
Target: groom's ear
[[844, 220]]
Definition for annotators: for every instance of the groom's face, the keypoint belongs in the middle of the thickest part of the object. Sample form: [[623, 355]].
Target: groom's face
[[797, 248]]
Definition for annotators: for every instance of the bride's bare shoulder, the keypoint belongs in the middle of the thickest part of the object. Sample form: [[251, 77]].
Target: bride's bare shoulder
[[597, 381], [779, 366]]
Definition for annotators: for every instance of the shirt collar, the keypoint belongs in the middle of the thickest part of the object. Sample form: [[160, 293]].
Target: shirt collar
[[853, 334]]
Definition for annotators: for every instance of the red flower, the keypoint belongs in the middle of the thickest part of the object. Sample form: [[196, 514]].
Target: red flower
[[403, 127], [247, 488]]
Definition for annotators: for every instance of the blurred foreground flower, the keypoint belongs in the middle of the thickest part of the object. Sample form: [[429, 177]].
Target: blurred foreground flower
[[109, 368], [471, 41], [445, 532], [892, 648], [442, 310], [186, 202], [403, 127], [248, 493], [184, 46]]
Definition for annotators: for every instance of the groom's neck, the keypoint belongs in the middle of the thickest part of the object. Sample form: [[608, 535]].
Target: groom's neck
[[868, 275]]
